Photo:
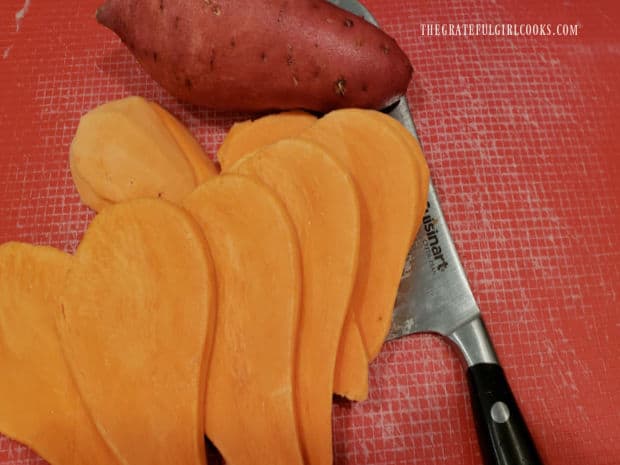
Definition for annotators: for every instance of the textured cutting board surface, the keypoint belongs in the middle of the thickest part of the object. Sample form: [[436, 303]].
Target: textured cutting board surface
[[522, 136]]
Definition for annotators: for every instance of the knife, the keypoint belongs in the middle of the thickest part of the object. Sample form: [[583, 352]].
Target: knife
[[435, 297]]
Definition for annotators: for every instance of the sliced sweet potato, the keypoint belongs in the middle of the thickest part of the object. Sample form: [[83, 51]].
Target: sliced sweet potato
[[248, 136], [351, 377], [250, 409], [202, 165], [415, 151], [320, 197], [137, 324], [351, 371], [231, 135], [39, 403], [87, 195], [123, 150], [388, 178]]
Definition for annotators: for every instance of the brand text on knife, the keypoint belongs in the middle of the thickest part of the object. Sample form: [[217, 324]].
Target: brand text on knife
[[431, 243]]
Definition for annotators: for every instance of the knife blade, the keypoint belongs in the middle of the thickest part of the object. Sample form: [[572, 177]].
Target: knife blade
[[434, 296]]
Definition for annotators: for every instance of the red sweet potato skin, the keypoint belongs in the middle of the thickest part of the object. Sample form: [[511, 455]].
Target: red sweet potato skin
[[255, 55]]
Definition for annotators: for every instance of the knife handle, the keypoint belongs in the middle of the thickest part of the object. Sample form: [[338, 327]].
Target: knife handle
[[502, 433]]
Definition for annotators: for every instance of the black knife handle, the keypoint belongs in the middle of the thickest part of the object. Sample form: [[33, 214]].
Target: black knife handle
[[502, 433]]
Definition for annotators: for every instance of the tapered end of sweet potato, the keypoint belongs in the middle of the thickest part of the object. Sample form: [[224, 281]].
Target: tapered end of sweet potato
[[106, 15]]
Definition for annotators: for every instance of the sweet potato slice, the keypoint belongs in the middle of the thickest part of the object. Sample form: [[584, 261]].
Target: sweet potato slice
[[123, 151], [202, 165], [250, 410], [388, 179], [137, 324], [320, 197], [39, 403], [351, 377], [351, 371], [415, 151], [231, 135], [248, 136], [87, 194]]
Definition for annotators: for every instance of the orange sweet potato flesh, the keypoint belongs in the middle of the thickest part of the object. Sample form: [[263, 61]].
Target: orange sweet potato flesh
[[388, 177], [137, 324], [122, 150], [351, 372], [321, 200], [88, 196], [202, 165], [39, 403], [413, 146], [250, 409], [248, 136], [351, 376]]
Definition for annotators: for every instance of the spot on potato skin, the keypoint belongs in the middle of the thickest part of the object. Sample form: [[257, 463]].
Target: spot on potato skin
[[215, 8], [263, 57], [385, 48], [340, 86], [364, 87], [316, 73], [290, 60], [233, 42], [176, 22], [348, 23], [282, 12], [155, 56], [295, 81], [188, 83], [161, 5], [212, 60]]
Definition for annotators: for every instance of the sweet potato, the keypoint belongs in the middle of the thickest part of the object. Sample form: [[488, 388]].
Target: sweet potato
[[202, 165], [391, 176], [250, 409], [88, 196], [248, 136], [260, 54], [351, 373], [40, 405], [321, 200], [137, 324], [131, 148]]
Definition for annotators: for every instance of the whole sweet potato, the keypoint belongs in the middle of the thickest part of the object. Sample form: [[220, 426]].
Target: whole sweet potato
[[261, 54]]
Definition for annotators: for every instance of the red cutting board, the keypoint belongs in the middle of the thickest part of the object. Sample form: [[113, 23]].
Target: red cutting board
[[522, 135]]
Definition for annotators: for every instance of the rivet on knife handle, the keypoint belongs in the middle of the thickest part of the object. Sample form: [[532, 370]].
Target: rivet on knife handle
[[502, 433]]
